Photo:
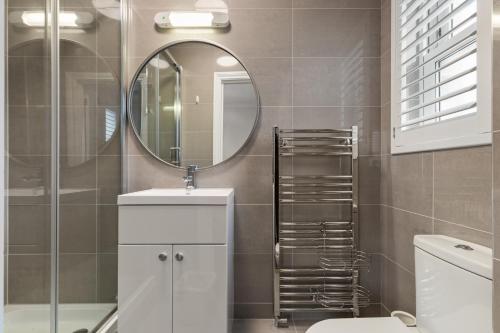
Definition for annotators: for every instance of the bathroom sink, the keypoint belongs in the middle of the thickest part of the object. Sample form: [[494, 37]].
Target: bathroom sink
[[178, 196]]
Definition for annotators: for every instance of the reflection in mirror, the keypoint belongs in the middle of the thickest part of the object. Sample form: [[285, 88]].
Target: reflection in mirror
[[193, 103]]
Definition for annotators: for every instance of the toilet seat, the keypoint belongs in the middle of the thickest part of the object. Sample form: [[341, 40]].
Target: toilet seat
[[361, 325]]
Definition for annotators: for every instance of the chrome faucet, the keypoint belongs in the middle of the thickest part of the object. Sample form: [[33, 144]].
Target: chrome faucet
[[190, 179]]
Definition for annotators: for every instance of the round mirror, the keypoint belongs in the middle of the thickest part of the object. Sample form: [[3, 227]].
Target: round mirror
[[193, 103]]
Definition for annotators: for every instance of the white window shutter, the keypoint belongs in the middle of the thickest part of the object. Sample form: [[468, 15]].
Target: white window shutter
[[441, 74]]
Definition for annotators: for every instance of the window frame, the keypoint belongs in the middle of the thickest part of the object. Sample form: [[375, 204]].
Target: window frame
[[467, 131]]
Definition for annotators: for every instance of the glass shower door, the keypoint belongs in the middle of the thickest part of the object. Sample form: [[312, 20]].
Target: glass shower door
[[89, 163], [64, 164], [28, 235]]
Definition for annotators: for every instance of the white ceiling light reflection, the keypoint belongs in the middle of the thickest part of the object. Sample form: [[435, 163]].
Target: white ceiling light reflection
[[227, 61], [159, 63], [496, 20], [36, 19], [191, 19]]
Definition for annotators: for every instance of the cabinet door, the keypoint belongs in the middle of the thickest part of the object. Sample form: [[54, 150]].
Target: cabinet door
[[200, 289], [145, 288]]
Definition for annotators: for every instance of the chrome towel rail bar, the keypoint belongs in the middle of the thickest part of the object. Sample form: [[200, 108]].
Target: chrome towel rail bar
[[331, 282]]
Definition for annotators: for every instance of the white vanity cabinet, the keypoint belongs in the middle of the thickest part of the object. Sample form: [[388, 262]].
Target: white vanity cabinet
[[175, 266]]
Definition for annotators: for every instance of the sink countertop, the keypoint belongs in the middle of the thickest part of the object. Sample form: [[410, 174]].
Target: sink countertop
[[178, 196]]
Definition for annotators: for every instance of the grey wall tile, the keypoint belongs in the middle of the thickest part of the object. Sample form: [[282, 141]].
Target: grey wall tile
[[336, 33], [78, 181], [78, 81], [250, 176], [253, 278], [145, 172], [385, 24], [370, 279], [259, 3], [273, 78], [28, 279], [108, 82], [29, 130], [23, 90], [366, 118], [369, 179], [108, 179], [462, 232], [163, 4], [374, 310], [385, 129], [406, 182], [398, 288], [107, 277], [78, 134], [253, 310], [385, 78], [77, 229], [26, 3], [462, 187], [29, 229], [336, 81], [398, 230], [78, 278], [253, 33], [107, 228], [29, 172], [261, 142], [370, 228], [336, 4], [253, 229], [108, 43]]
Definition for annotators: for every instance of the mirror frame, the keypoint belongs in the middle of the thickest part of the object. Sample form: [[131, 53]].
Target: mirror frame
[[165, 47]]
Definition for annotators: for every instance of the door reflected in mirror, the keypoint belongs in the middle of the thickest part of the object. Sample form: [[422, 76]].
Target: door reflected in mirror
[[193, 103]]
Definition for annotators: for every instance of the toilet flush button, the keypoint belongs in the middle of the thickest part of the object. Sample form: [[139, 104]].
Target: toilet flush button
[[464, 247]]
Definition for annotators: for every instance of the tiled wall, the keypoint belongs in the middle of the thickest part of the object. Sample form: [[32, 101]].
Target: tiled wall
[[496, 166], [443, 192], [317, 64], [89, 160]]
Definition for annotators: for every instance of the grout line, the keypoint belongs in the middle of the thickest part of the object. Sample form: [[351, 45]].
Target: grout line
[[406, 211], [464, 226], [399, 265], [385, 307], [337, 8]]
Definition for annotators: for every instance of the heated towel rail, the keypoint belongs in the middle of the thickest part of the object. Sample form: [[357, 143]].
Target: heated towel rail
[[317, 261]]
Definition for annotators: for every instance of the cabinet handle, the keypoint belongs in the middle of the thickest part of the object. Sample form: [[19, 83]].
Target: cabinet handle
[[162, 256], [179, 256]]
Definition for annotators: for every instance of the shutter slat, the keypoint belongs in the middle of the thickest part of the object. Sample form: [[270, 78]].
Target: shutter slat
[[444, 113], [437, 85], [423, 6], [437, 51], [452, 48], [436, 71], [440, 99], [442, 38], [435, 26]]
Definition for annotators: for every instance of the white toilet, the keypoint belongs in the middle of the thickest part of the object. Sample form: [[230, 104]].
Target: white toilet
[[453, 289]]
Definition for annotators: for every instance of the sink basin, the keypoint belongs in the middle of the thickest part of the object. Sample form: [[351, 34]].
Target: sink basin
[[178, 196]]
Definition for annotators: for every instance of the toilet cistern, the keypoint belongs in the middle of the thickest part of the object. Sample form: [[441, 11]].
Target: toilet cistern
[[190, 179]]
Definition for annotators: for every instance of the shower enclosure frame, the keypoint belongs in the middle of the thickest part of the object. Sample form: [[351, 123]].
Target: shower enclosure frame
[[3, 104], [52, 38]]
